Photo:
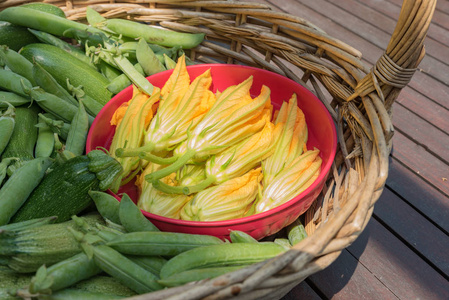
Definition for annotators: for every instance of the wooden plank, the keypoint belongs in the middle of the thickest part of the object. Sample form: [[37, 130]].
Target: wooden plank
[[345, 278], [416, 157], [419, 194], [421, 132], [302, 291], [402, 271], [430, 111], [413, 228]]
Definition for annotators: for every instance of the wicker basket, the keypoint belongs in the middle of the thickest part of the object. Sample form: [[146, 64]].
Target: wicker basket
[[359, 98]]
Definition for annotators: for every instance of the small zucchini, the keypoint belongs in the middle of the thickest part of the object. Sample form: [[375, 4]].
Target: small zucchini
[[64, 191]]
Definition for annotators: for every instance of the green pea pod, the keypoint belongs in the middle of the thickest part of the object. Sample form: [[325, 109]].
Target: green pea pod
[[4, 164], [39, 20], [107, 205], [137, 78], [238, 236], [79, 127], [72, 293], [45, 143], [15, 100], [123, 269], [150, 243], [19, 186], [154, 35], [93, 17], [147, 59], [17, 63], [122, 81], [169, 63], [63, 274], [28, 224], [58, 127], [226, 254], [296, 232], [7, 123], [132, 218], [14, 82]]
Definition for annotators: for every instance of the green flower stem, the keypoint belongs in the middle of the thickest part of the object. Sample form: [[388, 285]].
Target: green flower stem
[[187, 190], [178, 164], [156, 159]]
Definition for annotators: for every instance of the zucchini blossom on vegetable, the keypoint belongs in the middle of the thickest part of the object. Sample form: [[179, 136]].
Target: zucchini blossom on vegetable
[[228, 200]]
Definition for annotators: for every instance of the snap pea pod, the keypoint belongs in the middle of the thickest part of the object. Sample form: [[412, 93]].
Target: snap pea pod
[[128, 68], [154, 35], [28, 224], [109, 71], [55, 105], [14, 82], [150, 243], [17, 63], [147, 59], [93, 17], [4, 164], [123, 269], [59, 127], [122, 81], [45, 143], [227, 254], [46, 22], [79, 127], [107, 205], [132, 218], [63, 274], [185, 277], [7, 123], [92, 106], [284, 242], [49, 84], [169, 62], [19, 186], [238, 236], [296, 232], [55, 41], [13, 99]]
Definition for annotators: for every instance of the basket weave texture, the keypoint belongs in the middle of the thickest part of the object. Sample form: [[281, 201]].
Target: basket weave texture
[[359, 98]]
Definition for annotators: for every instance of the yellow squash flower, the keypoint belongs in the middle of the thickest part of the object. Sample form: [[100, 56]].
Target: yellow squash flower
[[290, 143], [291, 181], [153, 201], [228, 200], [130, 131], [233, 117]]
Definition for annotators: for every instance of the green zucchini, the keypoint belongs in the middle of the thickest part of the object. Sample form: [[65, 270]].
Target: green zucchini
[[64, 191], [63, 67], [15, 36]]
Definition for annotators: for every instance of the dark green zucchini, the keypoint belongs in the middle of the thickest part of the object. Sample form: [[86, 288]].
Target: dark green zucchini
[[15, 36], [64, 191]]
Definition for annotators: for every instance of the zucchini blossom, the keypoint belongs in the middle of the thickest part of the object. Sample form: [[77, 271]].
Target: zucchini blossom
[[228, 200]]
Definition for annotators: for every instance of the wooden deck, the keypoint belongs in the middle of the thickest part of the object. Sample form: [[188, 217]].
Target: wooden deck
[[404, 251]]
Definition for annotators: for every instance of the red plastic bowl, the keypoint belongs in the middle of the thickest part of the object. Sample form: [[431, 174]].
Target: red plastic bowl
[[322, 134]]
